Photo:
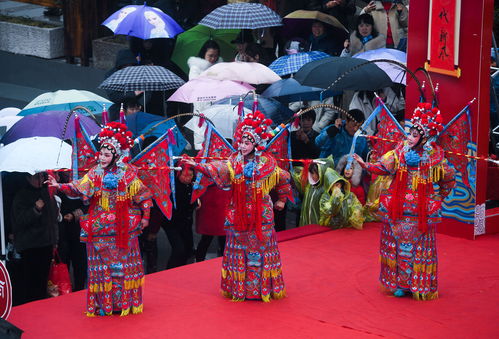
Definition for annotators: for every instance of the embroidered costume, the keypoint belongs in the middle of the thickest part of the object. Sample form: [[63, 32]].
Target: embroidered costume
[[411, 208], [118, 201], [251, 266]]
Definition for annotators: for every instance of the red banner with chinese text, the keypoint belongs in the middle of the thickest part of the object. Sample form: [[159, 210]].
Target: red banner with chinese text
[[444, 37]]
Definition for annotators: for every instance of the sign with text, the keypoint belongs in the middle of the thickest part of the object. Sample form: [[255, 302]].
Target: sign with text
[[443, 37]]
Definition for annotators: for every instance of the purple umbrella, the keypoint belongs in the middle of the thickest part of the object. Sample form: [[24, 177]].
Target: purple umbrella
[[59, 124], [143, 22]]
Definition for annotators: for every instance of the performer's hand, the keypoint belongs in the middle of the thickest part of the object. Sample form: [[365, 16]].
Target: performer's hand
[[39, 205], [144, 223], [346, 44], [279, 205], [359, 160], [51, 182], [68, 217]]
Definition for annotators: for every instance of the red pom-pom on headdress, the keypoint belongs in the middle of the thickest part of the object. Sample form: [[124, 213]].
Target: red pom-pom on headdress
[[427, 120]]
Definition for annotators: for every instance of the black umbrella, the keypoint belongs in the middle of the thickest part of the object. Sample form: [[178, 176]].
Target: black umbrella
[[345, 73], [142, 78]]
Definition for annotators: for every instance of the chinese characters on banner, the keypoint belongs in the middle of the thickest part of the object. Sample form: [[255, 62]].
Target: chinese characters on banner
[[443, 37]]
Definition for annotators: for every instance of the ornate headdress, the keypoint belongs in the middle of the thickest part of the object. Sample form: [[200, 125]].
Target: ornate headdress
[[115, 137], [427, 120], [255, 128]]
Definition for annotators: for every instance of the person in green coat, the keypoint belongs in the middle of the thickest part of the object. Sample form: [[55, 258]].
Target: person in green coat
[[338, 206], [311, 189]]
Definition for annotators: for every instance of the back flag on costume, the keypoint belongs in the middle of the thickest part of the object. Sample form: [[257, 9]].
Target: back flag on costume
[[279, 147], [454, 139], [215, 145], [387, 129], [154, 172]]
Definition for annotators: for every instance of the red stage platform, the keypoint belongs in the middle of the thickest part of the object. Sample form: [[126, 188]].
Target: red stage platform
[[333, 292]]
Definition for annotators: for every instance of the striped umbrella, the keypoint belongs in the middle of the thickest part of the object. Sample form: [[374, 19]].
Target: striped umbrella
[[142, 78], [242, 15], [289, 64]]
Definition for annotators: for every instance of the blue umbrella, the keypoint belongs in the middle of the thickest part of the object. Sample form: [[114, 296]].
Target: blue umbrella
[[271, 108], [242, 15], [289, 90], [146, 124], [289, 64], [143, 22]]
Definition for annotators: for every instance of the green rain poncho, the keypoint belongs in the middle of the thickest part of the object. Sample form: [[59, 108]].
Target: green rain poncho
[[338, 206], [310, 213]]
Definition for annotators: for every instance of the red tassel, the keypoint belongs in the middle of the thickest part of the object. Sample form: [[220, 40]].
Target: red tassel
[[122, 222], [171, 137], [296, 123], [122, 115], [201, 122], [304, 172], [105, 117]]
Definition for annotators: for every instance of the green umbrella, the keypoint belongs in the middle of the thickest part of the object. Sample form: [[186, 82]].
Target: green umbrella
[[190, 42]]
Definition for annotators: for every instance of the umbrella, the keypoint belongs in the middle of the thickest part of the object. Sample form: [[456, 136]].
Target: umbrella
[[322, 73], [396, 73], [36, 154], [9, 111], [142, 22], [271, 108], [142, 78], [6, 122], [58, 124], [146, 124], [249, 72], [288, 64], [223, 117], [66, 100], [190, 42], [289, 90], [137, 122], [207, 90], [242, 16], [299, 24]]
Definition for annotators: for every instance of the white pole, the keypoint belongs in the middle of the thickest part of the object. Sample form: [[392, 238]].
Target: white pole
[[2, 220]]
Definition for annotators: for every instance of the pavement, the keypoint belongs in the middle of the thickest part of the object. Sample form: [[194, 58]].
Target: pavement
[[22, 77]]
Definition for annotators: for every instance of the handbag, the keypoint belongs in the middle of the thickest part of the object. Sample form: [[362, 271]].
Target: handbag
[[59, 282]]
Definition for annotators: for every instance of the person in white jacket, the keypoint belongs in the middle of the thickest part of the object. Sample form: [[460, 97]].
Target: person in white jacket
[[209, 55]]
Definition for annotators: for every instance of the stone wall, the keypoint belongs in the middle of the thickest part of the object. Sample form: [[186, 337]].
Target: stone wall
[[45, 43]]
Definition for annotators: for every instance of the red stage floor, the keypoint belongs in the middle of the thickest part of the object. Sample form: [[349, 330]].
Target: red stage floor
[[333, 291]]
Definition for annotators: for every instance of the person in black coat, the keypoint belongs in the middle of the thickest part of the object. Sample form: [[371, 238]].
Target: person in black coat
[[303, 140], [34, 226]]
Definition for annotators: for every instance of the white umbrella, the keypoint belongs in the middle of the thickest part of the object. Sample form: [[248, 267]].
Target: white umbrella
[[8, 121], [66, 100], [249, 72], [36, 154], [224, 117], [396, 73], [9, 111]]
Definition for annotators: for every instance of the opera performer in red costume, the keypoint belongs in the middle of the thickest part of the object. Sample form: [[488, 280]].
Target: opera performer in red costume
[[119, 210], [411, 207], [251, 266]]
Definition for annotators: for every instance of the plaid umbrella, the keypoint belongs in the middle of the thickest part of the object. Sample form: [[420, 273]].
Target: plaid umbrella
[[242, 16], [288, 64], [142, 78]]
